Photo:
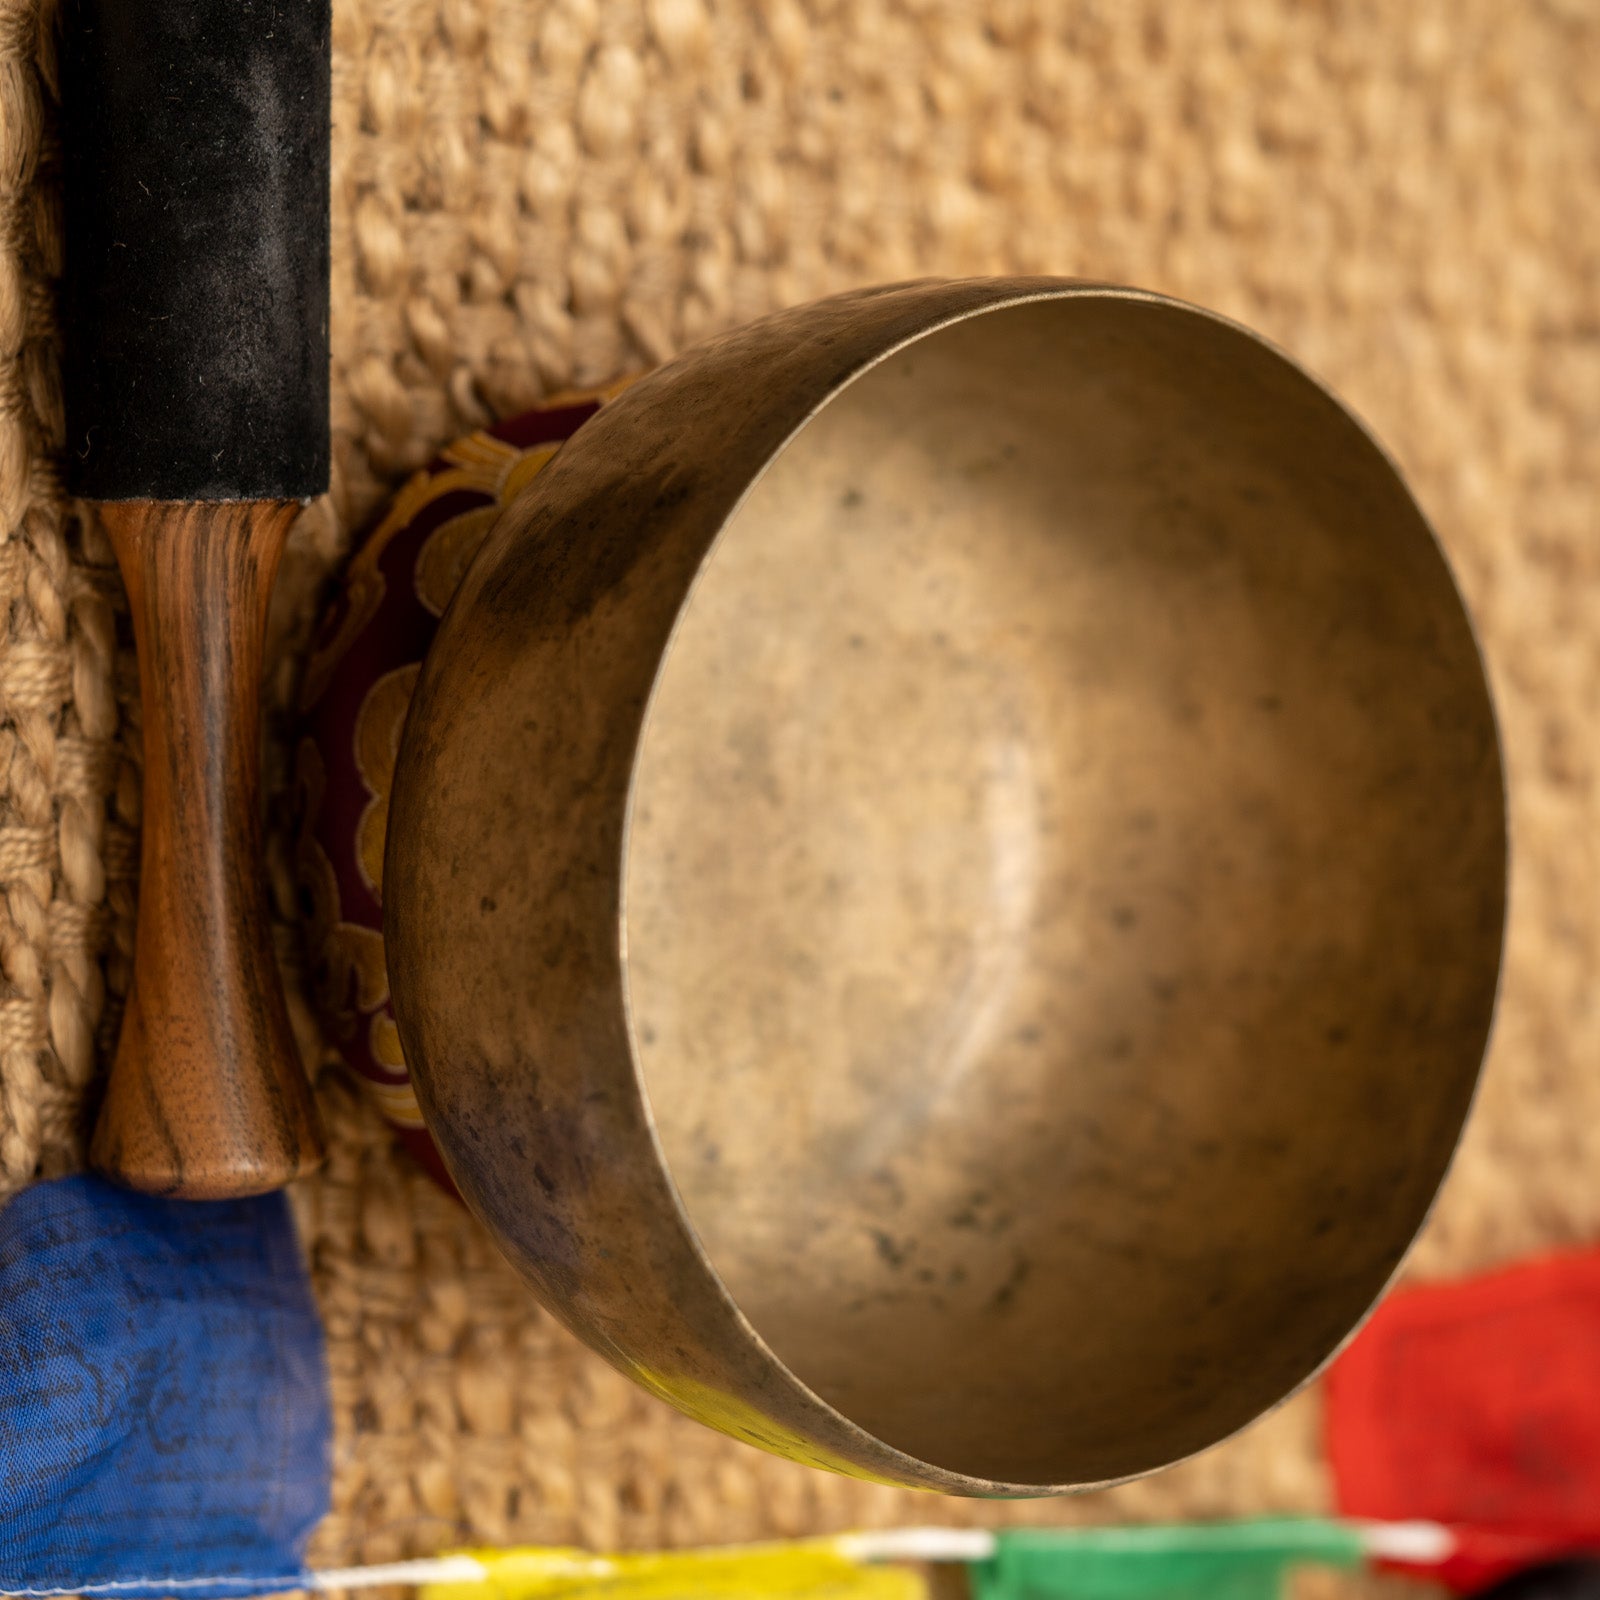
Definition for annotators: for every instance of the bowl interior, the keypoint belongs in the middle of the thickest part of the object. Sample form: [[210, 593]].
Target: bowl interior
[[1064, 889]]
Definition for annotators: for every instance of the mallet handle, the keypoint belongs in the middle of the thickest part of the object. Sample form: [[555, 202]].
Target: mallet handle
[[207, 1096]]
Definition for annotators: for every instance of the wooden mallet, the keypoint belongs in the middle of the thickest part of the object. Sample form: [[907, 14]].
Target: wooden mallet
[[195, 309]]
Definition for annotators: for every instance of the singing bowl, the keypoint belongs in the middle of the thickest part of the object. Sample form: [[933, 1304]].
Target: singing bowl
[[945, 881]]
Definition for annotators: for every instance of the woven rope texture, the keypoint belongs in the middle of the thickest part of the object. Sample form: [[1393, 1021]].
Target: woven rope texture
[[530, 194]]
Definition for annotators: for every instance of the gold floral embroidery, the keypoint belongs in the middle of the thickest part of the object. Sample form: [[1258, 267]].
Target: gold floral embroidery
[[378, 726], [350, 979], [348, 971], [443, 560], [396, 1101]]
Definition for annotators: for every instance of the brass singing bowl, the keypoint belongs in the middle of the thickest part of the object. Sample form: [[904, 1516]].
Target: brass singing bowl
[[945, 881]]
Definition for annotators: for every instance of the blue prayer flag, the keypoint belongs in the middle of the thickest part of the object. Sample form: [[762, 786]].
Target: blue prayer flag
[[164, 1420]]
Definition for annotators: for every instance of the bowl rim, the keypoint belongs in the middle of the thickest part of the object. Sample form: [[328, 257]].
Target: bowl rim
[[1030, 292]]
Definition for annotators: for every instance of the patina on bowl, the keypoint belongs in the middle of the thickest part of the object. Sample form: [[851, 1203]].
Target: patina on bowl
[[945, 881]]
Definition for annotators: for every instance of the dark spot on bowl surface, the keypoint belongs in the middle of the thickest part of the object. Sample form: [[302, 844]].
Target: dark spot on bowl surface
[[892, 1253], [1007, 1292]]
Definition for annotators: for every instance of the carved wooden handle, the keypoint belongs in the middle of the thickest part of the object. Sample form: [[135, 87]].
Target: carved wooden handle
[[207, 1096]]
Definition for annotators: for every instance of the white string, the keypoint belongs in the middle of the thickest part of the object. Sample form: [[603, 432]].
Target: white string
[[1421, 1543], [440, 1569], [919, 1544], [1424, 1543]]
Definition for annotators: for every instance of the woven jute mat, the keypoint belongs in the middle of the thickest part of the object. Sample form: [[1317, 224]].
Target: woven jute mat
[[530, 194]]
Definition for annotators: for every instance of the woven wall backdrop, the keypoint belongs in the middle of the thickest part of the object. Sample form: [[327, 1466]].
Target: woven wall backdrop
[[533, 193]]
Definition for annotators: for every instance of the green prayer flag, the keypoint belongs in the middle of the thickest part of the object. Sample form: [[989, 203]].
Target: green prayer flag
[[1200, 1561]]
